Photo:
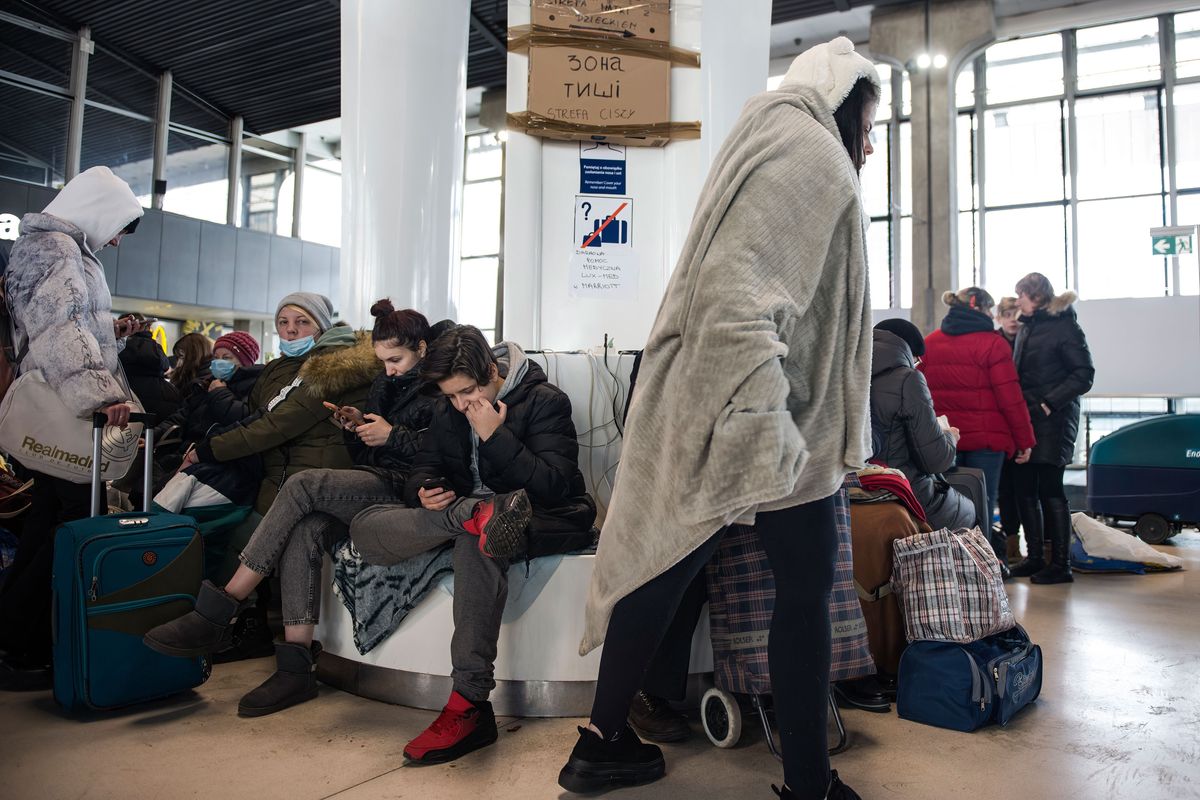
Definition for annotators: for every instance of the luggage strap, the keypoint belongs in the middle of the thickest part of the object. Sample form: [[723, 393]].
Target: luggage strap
[[881, 591]]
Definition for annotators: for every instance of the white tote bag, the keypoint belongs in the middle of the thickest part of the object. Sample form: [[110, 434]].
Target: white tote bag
[[38, 430]]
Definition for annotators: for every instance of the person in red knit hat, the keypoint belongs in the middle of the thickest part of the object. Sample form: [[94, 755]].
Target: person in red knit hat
[[239, 346]]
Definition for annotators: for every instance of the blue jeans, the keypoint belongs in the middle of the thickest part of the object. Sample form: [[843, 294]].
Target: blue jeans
[[991, 462]]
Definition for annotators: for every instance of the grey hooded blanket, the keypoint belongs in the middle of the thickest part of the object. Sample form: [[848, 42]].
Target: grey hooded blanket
[[753, 390]]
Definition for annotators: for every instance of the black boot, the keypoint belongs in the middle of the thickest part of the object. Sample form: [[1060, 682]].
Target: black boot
[[653, 718], [598, 765], [862, 693], [1058, 526], [250, 637], [198, 632], [837, 790], [294, 681]]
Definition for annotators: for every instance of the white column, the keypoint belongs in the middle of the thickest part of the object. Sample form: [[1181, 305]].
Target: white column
[[542, 179], [404, 68]]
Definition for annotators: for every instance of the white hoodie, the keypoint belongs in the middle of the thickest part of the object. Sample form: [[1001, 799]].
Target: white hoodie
[[98, 203]]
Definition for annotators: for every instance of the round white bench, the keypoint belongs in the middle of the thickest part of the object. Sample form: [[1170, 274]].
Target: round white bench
[[539, 672]]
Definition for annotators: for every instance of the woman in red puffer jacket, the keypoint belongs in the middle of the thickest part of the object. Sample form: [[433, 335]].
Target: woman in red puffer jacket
[[974, 383]]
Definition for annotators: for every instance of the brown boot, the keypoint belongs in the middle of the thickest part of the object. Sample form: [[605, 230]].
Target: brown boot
[[1013, 545]]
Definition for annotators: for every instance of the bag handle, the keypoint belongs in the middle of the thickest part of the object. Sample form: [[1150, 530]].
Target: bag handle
[[99, 423]]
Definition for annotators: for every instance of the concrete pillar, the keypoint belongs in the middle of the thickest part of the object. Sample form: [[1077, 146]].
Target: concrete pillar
[[956, 29], [404, 68], [662, 182]]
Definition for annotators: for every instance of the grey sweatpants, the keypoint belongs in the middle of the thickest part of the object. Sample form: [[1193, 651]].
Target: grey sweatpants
[[386, 535]]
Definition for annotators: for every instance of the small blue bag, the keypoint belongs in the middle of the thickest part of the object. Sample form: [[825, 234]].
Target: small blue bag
[[964, 687]]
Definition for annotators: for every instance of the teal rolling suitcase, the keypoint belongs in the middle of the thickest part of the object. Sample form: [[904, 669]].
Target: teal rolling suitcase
[[116, 577]]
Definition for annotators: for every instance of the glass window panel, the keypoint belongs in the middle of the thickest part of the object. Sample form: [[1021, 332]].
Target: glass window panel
[[1113, 55], [321, 217], [968, 246], [481, 219], [123, 144], [1189, 265], [875, 174], [33, 139], [477, 293], [906, 262], [197, 173], [484, 163], [267, 196], [1118, 145], [884, 111], [1187, 45], [965, 158], [1024, 154], [906, 166], [112, 82], [773, 82], [1187, 144], [33, 55], [906, 107], [879, 263], [1024, 240], [964, 86], [186, 111], [1025, 68], [1114, 249]]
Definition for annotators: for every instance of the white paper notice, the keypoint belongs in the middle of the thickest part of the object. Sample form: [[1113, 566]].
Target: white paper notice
[[603, 272]]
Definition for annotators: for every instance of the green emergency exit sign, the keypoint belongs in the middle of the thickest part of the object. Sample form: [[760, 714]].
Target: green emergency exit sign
[[1171, 241]]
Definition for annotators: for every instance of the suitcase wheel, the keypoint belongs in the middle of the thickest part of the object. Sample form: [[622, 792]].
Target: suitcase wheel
[[722, 718]]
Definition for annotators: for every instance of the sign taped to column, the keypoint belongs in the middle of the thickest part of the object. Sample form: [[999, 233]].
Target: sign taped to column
[[601, 168], [603, 264]]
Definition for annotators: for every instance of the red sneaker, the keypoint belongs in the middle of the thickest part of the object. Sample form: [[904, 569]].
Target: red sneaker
[[462, 726], [500, 523]]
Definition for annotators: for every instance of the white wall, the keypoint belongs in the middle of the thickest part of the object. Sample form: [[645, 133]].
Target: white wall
[[1144, 347]]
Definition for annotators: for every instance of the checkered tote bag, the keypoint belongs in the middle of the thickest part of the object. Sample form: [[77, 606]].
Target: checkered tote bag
[[950, 587]]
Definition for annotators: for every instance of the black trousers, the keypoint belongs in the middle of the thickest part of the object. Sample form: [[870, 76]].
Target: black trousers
[[801, 546], [1043, 507], [667, 673], [25, 595], [1010, 515]]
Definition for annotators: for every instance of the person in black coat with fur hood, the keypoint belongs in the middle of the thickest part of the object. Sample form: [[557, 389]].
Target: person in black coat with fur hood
[[1055, 367]]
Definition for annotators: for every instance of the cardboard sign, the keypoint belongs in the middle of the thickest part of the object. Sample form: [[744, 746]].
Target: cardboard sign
[[585, 87], [643, 19]]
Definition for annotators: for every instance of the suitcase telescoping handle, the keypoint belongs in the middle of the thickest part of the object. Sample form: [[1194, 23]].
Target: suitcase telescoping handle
[[99, 423]]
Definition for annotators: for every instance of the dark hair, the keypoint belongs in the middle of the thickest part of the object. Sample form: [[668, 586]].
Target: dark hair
[[904, 329], [407, 328], [462, 350], [1036, 287], [849, 119], [195, 350]]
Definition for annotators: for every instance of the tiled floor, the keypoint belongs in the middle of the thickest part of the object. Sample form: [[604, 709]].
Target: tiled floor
[[1119, 719]]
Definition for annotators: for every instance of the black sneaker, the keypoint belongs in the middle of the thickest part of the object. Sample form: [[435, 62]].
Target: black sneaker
[[862, 693], [597, 765], [654, 719]]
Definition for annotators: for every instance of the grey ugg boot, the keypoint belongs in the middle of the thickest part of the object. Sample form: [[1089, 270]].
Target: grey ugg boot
[[200, 631], [294, 681]]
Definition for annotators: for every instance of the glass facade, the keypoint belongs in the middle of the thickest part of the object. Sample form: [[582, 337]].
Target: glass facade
[[479, 278]]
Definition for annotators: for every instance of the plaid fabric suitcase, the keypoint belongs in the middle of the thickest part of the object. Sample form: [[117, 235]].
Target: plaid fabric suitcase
[[950, 587], [115, 577], [741, 594]]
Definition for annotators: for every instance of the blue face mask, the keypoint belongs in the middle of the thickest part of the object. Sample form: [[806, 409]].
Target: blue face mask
[[298, 347], [222, 368]]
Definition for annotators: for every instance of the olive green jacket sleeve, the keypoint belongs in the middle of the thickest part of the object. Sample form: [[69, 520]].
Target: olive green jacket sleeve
[[298, 413]]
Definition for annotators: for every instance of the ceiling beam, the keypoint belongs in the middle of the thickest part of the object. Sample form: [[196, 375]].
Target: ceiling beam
[[485, 30]]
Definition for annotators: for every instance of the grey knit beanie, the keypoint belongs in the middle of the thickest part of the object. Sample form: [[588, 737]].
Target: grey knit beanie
[[317, 305]]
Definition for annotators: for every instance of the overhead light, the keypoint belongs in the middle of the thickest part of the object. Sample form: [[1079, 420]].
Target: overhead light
[[924, 60], [939, 61]]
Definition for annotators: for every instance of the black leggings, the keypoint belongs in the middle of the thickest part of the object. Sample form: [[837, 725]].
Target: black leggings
[[801, 546], [1042, 503]]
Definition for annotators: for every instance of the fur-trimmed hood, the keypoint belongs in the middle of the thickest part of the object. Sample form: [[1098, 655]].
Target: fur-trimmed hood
[[333, 371], [1060, 303]]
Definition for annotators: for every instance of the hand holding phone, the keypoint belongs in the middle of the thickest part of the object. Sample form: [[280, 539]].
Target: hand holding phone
[[436, 494], [345, 417]]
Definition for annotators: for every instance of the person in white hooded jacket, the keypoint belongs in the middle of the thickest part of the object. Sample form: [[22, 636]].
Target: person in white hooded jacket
[[63, 326]]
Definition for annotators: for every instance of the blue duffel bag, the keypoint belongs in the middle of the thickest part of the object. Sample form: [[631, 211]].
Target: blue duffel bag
[[967, 686]]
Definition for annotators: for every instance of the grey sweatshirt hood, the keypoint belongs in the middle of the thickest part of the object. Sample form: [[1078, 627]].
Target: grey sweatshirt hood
[[513, 364]]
